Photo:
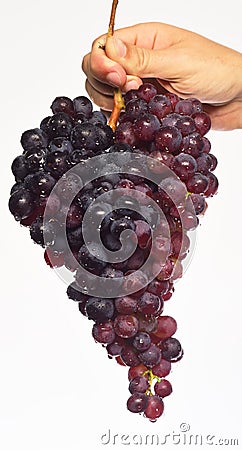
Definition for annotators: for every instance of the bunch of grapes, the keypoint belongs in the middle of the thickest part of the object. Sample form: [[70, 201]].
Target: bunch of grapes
[[148, 186]]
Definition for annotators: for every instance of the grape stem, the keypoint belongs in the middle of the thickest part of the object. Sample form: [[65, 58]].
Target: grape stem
[[112, 18], [151, 378], [118, 98]]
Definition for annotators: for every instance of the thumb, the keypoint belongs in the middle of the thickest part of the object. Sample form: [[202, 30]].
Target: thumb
[[138, 61]]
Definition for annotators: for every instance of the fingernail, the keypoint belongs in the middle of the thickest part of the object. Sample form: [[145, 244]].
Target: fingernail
[[119, 47], [132, 84], [114, 79]]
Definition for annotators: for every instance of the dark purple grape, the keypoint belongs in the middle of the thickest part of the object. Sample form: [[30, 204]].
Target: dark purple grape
[[80, 118], [59, 125], [170, 349], [56, 163], [35, 139], [44, 234], [126, 305], [212, 185], [150, 357], [198, 183], [189, 220], [73, 216], [19, 168], [22, 204], [138, 384], [214, 162], [202, 122], [192, 144], [180, 243], [103, 332], [163, 388], [184, 107], [131, 95], [204, 163], [116, 347], [16, 187], [186, 125], [126, 325], [63, 104], [145, 127], [137, 402], [197, 105], [166, 327], [80, 156], [168, 139], [158, 287], [125, 133], [82, 105], [92, 137], [147, 323], [147, 91], [40, 183], [198, 203], [162, 369], [35, 160], [149, 304], [44, 124], [184, 166], [82, 307], [97, 117], [136, 371], [135, 107], [129, 356], [154, 408], [74, 293], [99, 309], [160, 106], [170, 120], [60, 144], [173, 98], [91, 262], [142, 341], [206, 144]]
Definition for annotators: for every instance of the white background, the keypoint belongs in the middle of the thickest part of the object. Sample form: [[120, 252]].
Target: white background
[[58, 389]]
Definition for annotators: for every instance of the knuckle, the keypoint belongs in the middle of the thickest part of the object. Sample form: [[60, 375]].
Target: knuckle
[[143, 61], [85, 63]]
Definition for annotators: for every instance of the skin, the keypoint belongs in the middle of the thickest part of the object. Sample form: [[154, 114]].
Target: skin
[[178, 60]]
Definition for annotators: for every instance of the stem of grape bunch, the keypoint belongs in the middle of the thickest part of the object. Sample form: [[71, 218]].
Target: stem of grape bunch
[[118, 98]]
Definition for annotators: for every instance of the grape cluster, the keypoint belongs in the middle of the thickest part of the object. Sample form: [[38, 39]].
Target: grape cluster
[[170, 133]]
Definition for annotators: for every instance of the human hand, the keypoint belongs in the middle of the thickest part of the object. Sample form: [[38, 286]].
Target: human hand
[[182, 62]]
